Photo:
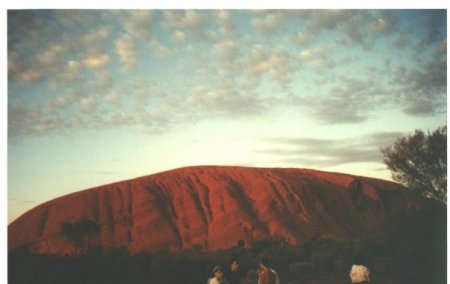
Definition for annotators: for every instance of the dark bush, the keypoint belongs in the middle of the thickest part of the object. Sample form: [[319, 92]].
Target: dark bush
[[388, 258], [300, 268], [81, 227]]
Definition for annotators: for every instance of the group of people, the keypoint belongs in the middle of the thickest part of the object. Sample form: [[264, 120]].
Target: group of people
[[359, 273], [266, 274]]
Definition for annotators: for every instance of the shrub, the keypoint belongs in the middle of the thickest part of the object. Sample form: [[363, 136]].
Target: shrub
[[300, 268], [79, 228]]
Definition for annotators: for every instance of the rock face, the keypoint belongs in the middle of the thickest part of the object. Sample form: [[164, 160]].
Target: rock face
[[214, 208]]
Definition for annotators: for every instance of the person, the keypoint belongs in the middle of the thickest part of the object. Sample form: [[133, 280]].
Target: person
[[218, 276], [267, 275], [233, 275], [359, 273]]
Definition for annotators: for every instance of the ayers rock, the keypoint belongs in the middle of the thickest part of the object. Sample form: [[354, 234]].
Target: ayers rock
[[215, 207]]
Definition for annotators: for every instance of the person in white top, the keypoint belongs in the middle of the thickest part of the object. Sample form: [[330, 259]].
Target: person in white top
[[218, 276], [359, 274]]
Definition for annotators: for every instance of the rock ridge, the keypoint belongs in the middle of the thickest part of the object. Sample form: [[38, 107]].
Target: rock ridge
[[216, 207]]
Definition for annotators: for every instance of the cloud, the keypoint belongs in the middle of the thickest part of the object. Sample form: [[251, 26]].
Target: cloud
[[277, 64], [382, 26], [125, 50], [218, 63], [320, 152], [112, 97], [441, 48], [94, 41], [192, 19], [301, 38], [22, 71], [269, 24], [179, 37], [350, 26], [75, 112], [348, 101], [120, 118], [31, 75], [226, 25], [354, 32], [224, 101], [24, 120], [190, 22], [226, 50], [87, 102], [159, 49], [139, 23], [30, 28], [435, 25], [319, 21], [52, 54], [102, 81], [417, 88], [422, 90], [338, 111], [96, 61], [72, 71], [44, 44], [419, 108], [70, 18], [313, 53], [227, 54]]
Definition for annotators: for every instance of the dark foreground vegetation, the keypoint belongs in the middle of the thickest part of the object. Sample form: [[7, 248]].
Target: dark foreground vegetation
[[400, 258], [410, 250]]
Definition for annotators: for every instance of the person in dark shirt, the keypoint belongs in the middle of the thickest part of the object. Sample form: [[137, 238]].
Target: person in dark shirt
[[233, 275]]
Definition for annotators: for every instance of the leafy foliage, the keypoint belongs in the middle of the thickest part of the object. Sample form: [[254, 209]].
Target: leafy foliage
[[316, 261], [419, 161], [80, 232]]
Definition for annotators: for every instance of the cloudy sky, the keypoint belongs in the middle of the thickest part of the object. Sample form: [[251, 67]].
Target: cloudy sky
[[98, 96]]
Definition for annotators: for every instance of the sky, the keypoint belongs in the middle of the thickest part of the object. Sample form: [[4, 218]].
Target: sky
[[100, 96]]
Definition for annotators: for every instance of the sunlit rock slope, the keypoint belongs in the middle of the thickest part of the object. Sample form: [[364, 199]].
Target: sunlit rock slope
[[214, 207]]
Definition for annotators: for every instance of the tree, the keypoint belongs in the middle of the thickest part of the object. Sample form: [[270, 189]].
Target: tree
[[80, 231], [419, 162]]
